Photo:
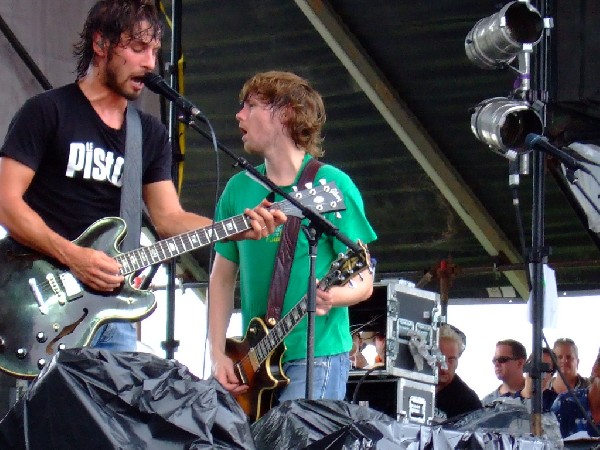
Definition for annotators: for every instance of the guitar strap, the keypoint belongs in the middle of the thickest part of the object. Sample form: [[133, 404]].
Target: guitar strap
[[285, 253], [131, 189]]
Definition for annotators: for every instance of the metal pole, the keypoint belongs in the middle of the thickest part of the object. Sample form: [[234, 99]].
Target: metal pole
[[539, 254], [170, 344]]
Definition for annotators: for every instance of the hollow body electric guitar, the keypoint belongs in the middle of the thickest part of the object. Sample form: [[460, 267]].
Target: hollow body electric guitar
[[257, 357], [44, 308]]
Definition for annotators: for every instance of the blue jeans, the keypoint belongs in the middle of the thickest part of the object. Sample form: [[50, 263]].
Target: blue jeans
[[116, 336], [330, 375]]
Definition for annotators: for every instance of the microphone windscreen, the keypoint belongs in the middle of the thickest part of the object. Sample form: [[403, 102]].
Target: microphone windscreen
[[531, 139], [153, 81]]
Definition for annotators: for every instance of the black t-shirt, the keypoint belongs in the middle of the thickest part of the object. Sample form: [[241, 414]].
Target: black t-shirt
[[456, 398], [78, 159]]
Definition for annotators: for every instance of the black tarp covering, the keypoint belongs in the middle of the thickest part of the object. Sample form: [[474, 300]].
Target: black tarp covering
[[296, 424], [331, 425], [94, 399]]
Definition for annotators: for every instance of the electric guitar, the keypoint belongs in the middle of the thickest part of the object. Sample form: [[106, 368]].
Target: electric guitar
[[258, 356], [44, 308]]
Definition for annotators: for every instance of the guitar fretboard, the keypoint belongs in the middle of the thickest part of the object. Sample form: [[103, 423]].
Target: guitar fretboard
[[182, 243], [280, 330]]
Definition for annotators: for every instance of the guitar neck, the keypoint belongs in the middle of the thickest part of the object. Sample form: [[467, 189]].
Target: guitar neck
[[322, 199], [281, 329], [177, 245]]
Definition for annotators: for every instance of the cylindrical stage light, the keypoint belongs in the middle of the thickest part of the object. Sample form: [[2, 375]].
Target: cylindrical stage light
[[496, 40], [503, 123]]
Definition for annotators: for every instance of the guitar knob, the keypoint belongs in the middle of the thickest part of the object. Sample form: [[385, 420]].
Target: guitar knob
[[41, 337], [21, 353], [41, 363]]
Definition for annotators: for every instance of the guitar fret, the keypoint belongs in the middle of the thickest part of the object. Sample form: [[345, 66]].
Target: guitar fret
[[260, 352], [195, 239], [217, 229], [230, 227], [133, 260], [183, 247], [287, 320], [172, 247], [144, 257], [264, 351]]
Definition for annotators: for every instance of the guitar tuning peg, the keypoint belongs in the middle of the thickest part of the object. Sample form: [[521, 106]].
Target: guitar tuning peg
[[309, 185], [295, 188], [322, 181]]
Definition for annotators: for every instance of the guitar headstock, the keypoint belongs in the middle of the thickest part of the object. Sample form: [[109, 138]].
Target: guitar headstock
[[346, 266], [322, 198]]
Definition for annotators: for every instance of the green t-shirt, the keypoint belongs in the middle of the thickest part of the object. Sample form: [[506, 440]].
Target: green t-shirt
[[256, 259]]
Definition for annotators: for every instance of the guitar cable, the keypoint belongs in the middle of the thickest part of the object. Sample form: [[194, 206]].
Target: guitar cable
[[360, 382]]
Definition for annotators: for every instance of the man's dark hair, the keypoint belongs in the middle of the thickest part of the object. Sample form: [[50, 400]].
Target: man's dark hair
[[518, 349], [110, 19]]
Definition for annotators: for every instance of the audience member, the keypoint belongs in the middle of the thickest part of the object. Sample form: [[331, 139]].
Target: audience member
[[370, 350], [357, 359], [509, 360], [570, 417], [567, 356], [548, 395], [379, 349], [453, 397]]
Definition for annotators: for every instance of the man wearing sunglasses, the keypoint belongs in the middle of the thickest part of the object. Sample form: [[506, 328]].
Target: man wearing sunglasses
[[509, 360]]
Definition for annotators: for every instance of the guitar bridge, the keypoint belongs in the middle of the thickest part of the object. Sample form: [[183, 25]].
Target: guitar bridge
[[240, 374], [38, 296]]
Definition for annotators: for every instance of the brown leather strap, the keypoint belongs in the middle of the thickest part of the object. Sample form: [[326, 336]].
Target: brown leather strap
[[285, 254]]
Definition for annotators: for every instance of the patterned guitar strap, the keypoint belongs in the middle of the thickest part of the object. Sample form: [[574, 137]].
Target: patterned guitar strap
[[285, 253]]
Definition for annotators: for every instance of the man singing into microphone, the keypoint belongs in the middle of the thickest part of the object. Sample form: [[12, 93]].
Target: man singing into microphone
[[61, 164]]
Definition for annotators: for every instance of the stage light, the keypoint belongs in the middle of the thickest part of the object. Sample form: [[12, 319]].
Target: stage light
[[503, 124], [496, 40]]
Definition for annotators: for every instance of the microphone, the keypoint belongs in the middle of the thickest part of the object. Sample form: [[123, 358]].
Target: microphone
[[535, 141], [159, 86]]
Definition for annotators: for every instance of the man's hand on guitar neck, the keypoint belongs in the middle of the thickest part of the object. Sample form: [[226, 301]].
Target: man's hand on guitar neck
[[94, 268], [263, 221], [224, 373], [358, 289]]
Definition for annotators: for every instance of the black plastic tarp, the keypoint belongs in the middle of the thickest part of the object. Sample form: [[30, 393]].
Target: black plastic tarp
[[331, 425], [94, 399]]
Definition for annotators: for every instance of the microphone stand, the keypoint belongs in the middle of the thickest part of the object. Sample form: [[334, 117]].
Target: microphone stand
[[537, 257], [317, 226]]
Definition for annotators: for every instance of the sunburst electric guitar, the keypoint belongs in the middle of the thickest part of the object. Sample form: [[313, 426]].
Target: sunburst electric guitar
[[257, 357], [44, 308]]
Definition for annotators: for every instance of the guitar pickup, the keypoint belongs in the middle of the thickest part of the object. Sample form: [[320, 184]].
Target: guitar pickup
[[71, 286], [68, 289]]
